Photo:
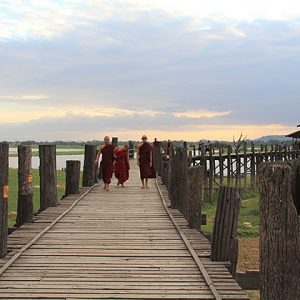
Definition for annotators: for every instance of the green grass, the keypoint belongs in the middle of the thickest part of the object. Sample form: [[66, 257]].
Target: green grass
[[248, 225], [13, 192]]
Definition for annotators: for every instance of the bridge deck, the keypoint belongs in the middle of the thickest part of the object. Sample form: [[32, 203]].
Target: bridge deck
[[120, 244]]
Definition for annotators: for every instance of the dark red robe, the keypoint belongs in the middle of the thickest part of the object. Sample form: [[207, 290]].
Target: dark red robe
[[121, 165], [146, 171], [107, 163]]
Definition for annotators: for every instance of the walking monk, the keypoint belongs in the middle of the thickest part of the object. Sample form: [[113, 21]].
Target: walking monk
[[145, 161], [107, 151], [121, 164]]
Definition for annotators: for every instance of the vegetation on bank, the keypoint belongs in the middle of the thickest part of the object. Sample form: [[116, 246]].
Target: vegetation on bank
[[13, 192], [248, 225]]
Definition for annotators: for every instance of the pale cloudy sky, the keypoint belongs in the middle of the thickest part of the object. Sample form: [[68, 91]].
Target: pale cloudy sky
[[185, 69]]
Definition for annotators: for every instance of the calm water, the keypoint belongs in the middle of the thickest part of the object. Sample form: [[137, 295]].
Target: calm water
[[60, 161]]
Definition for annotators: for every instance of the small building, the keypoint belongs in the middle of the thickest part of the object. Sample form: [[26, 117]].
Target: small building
[[296, 138]]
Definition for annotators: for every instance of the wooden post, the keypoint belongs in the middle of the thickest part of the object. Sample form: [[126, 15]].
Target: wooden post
[[172, 179], [185, 145], [89, 165], [131, 149], [114, 141], [279, 234], [48, 182], [252, 166], [157, 158], [25, 189], [221, 166], [272, 153], [190, 158], [229, 165], [238, 168], [245, 165], [184, 183], [224, 246], [4, 150], [72, 177], [211, 174], [266, 153], [194, 150], [195, 196]]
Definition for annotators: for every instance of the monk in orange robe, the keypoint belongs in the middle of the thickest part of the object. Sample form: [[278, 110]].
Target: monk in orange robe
[[106, 165], [145, 161], [121, 164]]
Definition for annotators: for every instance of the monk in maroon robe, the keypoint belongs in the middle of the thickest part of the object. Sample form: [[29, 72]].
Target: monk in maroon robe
[[106, 165], [121, 164], [145, 161]]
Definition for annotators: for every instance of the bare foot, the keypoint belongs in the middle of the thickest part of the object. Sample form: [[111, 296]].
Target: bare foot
[[107, 189], [142, 187], [147, 187]]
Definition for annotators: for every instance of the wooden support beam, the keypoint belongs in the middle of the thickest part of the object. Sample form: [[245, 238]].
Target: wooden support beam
[[279, 234], [4, 152], [88, 178], [224, 246], [195, 196], [114, 141], [72, 177], [25, 189], [48, 181]]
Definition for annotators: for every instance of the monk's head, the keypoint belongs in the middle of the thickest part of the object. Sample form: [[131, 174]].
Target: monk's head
[[106, 140], [144, 138], [126, 147]]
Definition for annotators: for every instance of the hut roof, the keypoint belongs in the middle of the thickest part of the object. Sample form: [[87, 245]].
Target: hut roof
[[295, 135]]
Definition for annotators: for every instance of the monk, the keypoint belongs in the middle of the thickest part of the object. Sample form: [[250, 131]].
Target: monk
[[107, 151], [121, 164], [145, 161]]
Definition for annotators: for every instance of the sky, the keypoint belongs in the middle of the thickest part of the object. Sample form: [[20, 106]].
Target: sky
[[191, 69]]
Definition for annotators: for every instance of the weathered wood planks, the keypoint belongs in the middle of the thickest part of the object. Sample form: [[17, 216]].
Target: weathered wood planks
[[118, 245]]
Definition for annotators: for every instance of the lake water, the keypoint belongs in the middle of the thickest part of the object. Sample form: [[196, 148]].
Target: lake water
[[60, 161]]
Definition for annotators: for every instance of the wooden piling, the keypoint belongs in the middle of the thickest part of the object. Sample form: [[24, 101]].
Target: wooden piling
[[172, 179], [72, 177], [88, 178], [4, 152], [224, 246], [131, 150], [48, 181], [221, 166], [245, 158], [114, 141], [195, 196], [183, 193], [25, 189], [211, 174], [279, 234], [229, 165]]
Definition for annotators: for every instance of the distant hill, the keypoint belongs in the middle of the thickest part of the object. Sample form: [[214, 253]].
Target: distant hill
[[269, 138]]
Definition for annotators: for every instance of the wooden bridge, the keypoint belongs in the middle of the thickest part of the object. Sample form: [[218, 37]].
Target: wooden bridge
[[123, 244]]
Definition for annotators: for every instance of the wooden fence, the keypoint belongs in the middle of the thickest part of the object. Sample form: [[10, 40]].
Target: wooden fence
[[237, 167], [185, 184]]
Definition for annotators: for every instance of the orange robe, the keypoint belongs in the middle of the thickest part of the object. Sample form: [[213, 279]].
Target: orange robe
[[121, 165], [107, 163]]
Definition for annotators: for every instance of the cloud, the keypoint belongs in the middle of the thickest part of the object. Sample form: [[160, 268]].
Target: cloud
[[50, 19], [69, 69], [197, 114], [24, 97]]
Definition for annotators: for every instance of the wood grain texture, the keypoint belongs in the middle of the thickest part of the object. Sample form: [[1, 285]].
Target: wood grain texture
[[120, 244]]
